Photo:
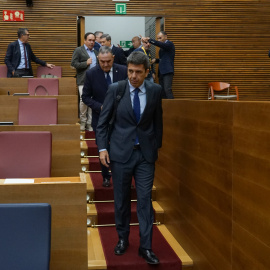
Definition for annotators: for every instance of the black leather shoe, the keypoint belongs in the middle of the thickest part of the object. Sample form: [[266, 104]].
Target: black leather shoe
[[121, 247], [148, 255], [106, 182]]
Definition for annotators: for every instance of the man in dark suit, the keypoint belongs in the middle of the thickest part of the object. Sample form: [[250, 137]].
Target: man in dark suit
[[134, 142], [83, 58], [19, 56], [95, 87], [97, 45], [166, 62], [119, 56]]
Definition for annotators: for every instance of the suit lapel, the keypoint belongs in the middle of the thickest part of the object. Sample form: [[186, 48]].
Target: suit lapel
[[148, 98], [84, 52]]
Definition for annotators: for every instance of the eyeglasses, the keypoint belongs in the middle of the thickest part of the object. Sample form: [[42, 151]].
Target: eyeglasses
[[26, 35]]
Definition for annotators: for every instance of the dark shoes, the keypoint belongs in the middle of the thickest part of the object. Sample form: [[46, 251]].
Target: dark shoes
[[148, 255], [106, 182], [121, 247]]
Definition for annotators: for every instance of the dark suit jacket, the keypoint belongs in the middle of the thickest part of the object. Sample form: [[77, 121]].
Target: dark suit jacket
[[166, 56], [13, 57], [119, 56], [97, 46], [79, 61], [95, 88], [149, 128]]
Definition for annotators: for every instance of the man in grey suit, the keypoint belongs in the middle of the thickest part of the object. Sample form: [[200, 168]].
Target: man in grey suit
[[134, 142], [83, 58]]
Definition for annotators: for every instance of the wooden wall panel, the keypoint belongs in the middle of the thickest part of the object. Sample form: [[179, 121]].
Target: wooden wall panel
[[212, 179], [216, 40]]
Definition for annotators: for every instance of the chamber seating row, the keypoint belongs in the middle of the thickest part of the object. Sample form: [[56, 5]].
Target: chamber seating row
[[66, 86]]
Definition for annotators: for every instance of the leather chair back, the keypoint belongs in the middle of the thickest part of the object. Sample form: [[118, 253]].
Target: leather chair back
[[25, 233], [37, 111], [25, 154], [43, 87]]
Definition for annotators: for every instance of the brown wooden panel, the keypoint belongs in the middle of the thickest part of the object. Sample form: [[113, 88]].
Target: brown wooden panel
[[68, 233], [212, 180], [67, 86], [65, 147], [67, 108]]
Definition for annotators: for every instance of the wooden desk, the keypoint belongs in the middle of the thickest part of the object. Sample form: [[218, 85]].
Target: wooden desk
[[67, 108], [65, 147], [67, 197], [67, 86]]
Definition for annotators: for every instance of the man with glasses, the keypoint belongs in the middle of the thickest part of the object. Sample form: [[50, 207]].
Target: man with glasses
[[19, 56]]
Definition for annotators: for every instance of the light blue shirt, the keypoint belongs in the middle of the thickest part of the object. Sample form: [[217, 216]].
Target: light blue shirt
[[92, 55], [142, 96], [22, 62]]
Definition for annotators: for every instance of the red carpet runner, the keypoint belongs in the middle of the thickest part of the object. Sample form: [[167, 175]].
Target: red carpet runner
[[130, 260]]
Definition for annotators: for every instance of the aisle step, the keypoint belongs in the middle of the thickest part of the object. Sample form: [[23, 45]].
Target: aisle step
[[93, 219], [96, 258]]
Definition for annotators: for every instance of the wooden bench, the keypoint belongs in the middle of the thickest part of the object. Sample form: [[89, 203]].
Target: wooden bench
[[67, 108], [67, 86]]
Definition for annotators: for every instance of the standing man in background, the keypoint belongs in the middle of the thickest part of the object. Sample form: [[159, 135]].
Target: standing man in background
[[119, 56], [136, 43], [19, 56], [95, 88], [97, 45], [135, 139], [83, 58], [145, 48], [165, 61]]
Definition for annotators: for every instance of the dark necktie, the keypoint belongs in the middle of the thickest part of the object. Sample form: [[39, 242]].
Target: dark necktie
[[25, 57], [137, 109], [108, 78]]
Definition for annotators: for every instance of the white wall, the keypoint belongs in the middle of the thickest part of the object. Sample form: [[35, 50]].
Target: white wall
[[119, 27]]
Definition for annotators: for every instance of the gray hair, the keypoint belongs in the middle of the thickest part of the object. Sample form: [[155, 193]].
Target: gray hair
[[104, 50], [107, 36], [138, 58]]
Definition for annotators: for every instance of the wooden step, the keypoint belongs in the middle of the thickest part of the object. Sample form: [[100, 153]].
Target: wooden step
[[92, 214], [91, 192], [96, 258]]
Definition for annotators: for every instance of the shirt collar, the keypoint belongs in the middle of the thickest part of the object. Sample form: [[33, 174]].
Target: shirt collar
[[20, 42], [132, 88], [88, 48]]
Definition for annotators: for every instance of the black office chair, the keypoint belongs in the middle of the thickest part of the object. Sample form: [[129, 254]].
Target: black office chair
[[25, 236]]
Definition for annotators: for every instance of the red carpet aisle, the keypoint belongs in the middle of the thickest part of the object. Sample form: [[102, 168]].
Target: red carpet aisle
[[130, 260]]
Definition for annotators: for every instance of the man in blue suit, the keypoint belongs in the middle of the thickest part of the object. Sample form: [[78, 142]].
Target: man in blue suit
[[134, 142], [95, 87], [19, 56], [165, 61], [97, 45]]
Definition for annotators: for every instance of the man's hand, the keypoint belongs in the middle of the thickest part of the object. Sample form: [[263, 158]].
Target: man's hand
[[153, 61], [145, 39], [104, 158], [89, 61], [50, 65]]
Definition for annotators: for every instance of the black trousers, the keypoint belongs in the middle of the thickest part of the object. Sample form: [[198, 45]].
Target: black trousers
[[166, 82], [143, 173], [22, 72]]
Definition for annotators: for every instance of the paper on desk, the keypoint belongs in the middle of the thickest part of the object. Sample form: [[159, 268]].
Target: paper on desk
[[19, 181]]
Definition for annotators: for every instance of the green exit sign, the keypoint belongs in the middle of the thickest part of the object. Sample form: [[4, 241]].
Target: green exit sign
[[125, 44], [120, 8]]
